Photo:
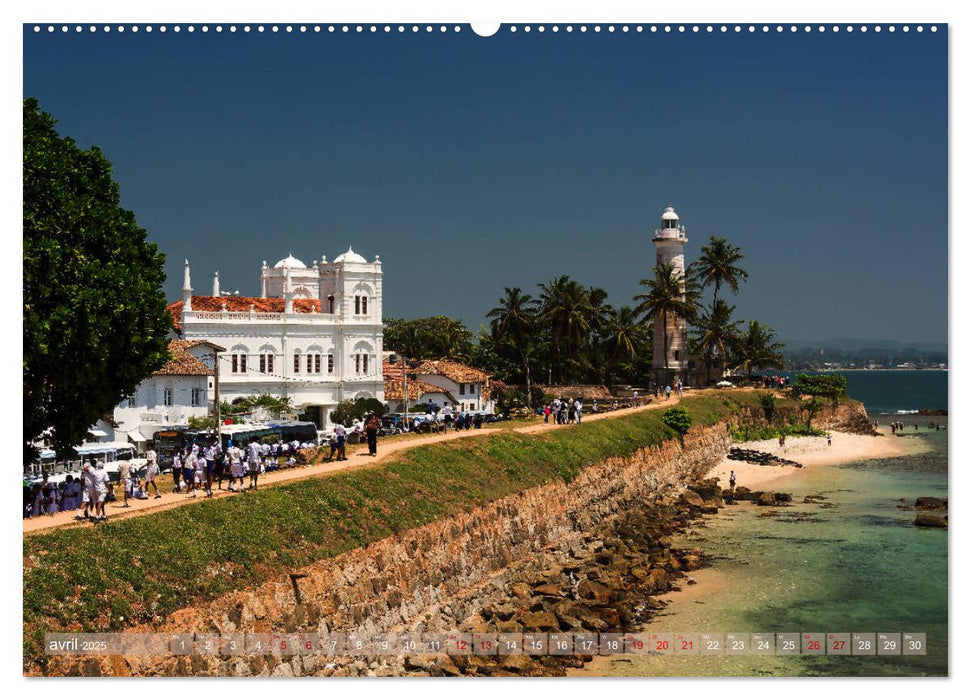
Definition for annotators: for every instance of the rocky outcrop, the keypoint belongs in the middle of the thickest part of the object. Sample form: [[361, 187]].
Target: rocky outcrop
[[930, 520]]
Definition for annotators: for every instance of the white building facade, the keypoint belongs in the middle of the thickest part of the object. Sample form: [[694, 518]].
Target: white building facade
[[182, 389], [314, 334], [671, 362]]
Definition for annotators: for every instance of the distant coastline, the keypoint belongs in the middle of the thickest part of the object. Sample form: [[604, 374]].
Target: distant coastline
[[874, 369]]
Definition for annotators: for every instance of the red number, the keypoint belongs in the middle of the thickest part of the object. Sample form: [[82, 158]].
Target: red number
[[814, 646], [462, 644], [662, 645], [283, 644], [838, 644], [687, 645]]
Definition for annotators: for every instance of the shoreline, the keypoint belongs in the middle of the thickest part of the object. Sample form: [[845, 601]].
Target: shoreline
[[810, 452]]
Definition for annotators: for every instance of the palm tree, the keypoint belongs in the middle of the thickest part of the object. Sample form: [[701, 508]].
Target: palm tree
[[566, 312], [625, 337], [670, 293], [716, 266], [717, 333], [513, 324], [758, 349]]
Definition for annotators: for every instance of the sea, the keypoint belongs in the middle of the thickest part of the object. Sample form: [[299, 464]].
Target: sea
[[857, 565]]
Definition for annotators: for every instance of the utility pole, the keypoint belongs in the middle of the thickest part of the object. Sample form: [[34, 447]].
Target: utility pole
[[215, 407], [404, 384]]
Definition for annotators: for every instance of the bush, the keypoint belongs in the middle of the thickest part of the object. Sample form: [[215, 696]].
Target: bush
[[767, 401], [349, 410], [200, 422], [677, 419]]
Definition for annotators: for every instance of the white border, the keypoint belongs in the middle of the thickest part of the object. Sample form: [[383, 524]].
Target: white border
[[508, 11]]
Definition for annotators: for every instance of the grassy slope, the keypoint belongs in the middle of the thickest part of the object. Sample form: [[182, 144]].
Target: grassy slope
[[126, 572]]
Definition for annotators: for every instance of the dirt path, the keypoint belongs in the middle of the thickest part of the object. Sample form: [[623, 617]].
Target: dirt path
[[357, 458]]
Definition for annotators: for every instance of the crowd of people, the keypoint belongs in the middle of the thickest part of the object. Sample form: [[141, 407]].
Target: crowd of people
[[563, 411], [195, 469]]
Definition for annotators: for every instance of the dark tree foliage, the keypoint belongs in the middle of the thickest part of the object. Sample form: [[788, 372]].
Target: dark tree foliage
[[430, 338], [95, 322], [349, 410], [819, 388]]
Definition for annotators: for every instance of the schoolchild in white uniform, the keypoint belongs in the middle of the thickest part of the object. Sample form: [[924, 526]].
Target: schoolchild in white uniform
[[152, 471], [100, 482]]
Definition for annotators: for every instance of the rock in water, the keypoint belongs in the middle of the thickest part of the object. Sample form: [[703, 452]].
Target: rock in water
[[766, 498], [930, 520], [930, 503]]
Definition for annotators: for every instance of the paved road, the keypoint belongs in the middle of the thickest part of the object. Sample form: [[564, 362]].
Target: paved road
[[357, 458]]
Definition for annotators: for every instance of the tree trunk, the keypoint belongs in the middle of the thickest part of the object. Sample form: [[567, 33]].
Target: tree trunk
[[529, 390]]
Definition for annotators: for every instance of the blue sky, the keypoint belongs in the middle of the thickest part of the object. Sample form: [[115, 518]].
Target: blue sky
[[470, 164]]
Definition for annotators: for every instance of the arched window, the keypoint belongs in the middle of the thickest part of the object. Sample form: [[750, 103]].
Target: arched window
[[237, 359]]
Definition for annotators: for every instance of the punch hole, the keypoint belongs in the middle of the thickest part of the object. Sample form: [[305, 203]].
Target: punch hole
[[485, 29]]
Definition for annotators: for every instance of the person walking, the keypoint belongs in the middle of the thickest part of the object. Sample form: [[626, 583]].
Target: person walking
[[578, 410], [176, 470], [731, 481], [667, 392], [100, 495], [124, 476], [235, 468], [151, 471], [371, 427], [253, 463], [87, 476], [341, 434]]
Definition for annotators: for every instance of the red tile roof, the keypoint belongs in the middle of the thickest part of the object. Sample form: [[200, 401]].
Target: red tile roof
[[455, 371], [183, 364], [393, 389], [416, 389], [259, 304]]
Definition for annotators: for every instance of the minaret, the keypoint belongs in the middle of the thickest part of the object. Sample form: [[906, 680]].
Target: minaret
[[186, 289], [288, 294], [215, 284], [669, 243], [263, 281]]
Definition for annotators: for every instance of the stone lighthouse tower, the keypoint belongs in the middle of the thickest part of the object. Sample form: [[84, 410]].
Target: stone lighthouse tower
[[669, 243]]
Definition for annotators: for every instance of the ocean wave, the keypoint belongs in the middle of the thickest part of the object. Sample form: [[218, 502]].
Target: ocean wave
[[906, 412]]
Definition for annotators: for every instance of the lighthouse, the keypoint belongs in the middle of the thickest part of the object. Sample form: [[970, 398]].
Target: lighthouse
[[669, 242]]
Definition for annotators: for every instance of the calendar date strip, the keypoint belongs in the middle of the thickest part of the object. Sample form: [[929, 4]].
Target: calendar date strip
[[340, 644]]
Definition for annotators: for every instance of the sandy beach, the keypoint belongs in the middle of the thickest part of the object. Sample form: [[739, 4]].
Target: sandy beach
[[811, 452]]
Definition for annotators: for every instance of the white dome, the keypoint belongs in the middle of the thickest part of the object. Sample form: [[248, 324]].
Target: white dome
[[669, 214], [350, 257], [290, 261]]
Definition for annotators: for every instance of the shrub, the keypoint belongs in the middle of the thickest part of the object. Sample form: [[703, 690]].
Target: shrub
[[767, 401], [677, 419]]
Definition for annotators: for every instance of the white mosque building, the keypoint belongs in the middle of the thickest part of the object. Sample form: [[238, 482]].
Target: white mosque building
[[314, 333]]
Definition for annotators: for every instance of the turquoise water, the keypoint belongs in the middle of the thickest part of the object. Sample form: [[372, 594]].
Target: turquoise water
[[857, 566]]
